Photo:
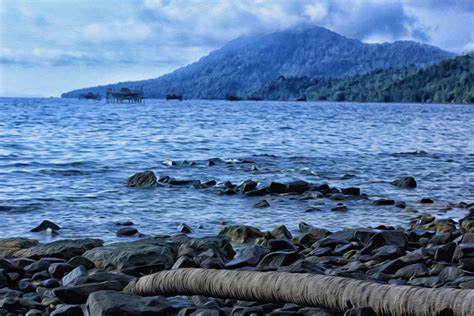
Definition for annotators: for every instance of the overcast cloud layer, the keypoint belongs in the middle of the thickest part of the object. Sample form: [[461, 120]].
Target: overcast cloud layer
[[48, 47]]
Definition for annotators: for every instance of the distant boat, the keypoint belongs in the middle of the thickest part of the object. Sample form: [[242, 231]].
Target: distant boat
[[90, 96], [233, 98], [302, 99], [174, 97]]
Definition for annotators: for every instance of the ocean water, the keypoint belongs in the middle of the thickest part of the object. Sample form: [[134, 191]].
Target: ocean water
[[68, 161]]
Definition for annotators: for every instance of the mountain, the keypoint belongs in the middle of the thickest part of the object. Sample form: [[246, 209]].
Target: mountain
[[246, 63], [449, 81]]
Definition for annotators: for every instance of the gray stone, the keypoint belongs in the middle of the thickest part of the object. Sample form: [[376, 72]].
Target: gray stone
[[78, 294], [145, 179], [110, 303], [66, 248]]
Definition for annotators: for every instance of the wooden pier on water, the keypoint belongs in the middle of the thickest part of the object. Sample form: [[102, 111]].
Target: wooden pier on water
[[125, 95]]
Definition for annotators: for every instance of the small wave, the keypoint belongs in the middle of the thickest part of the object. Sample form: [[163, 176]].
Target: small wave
[[23, 208], [66, 172]]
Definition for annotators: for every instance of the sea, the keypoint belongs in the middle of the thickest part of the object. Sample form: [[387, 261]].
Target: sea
[[68, 161]]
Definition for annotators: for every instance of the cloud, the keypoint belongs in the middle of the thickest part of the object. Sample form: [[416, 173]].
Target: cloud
[[153, 36]]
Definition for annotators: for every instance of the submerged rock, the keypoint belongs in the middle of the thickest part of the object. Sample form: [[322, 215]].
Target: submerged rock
[[405, 182], [144, 179], [261, 204], [9, 246], [126, 231]]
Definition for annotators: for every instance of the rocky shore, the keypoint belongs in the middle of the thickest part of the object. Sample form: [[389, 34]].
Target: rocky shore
[[87, 277]]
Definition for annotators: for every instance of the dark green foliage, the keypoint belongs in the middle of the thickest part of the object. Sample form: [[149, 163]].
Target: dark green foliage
[[246, 63], [450, 81]]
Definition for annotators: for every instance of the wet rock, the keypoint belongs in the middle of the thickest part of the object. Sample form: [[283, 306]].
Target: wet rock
[[360, 311], [464, 251], [68, 310], [50, 283], [383, 202], [310, 234], [413, 271], [451, 273], [36, 312], [145, 179], [426, 201], [434, 281], [351, 191], [257, 192], [378, 239], [73, 275], [261, 204], [311, 194], [78, 294], [248, 256], [388, 252], [281, 232], [247, 186], [241, 234], [103, 276], [280, 244], [120, 256], [126, 232], [467, 264], [405, 182], [278, 188], [9, 246], [81, 261], [400, 204], [298, 186], [274, 260], [44, 226], [107, 303], [341, 208], [445, 252], [184, 262], [124, 223], [184, 228], [214, 161], [65, 249], [220, 246]]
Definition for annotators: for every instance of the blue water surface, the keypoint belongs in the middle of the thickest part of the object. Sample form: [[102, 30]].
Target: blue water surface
[[68, 161]]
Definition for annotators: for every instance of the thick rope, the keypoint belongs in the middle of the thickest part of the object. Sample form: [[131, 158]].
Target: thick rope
[[306, 289]]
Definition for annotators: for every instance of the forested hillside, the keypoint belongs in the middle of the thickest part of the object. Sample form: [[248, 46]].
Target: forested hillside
[[450, 81]]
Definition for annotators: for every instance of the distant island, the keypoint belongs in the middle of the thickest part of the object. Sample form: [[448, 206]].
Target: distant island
[[314, 64]]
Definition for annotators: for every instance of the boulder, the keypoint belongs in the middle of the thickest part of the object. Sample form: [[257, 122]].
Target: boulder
[[257, 192], [73, 275], [248, 256], [351, 191], [66, 248], [298, 186], [278, 188], [241, 233], [281, 232], [44, 226], [125, 255], [111, 303], [68, 310], [78, 294], [144, 179], [247, 186], [261, 204], [413, 271], [426, 201], [383, 202], [405, 182], [126, 232], [9, 246], [276, 259]]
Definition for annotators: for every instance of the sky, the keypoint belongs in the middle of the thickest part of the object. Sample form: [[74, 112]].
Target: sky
[[51, 46]]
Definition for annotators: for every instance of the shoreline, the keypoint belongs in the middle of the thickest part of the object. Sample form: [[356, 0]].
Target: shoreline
[[80, 275]]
